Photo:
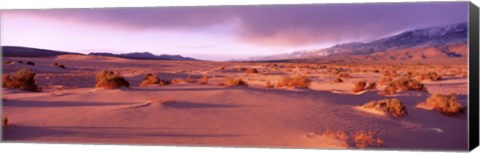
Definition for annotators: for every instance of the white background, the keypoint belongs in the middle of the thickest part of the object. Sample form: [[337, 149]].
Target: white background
[[82, 148]]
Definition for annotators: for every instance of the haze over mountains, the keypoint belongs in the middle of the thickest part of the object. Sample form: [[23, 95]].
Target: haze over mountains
[[435, 42]]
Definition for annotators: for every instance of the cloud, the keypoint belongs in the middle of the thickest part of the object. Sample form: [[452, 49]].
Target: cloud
[[273, 25]]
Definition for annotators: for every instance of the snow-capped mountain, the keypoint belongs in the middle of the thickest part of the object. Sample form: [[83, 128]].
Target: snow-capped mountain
[[438, 38]]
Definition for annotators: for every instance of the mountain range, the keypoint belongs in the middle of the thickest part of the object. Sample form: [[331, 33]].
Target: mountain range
[[16, 51], [448, 41], [144, 55]]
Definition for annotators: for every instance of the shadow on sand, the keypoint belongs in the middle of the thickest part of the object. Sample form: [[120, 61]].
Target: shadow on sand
[[17, 133]]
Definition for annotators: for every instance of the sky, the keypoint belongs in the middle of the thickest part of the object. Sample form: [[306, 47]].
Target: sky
[[220, 32]]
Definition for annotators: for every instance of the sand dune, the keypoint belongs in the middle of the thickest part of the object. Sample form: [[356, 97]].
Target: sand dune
[[70, 109]]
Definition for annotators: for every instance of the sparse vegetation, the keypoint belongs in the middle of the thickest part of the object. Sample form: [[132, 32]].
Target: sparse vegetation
[[235, 82], [150, 79], [5, 123], [364, 139], [268, 84], [59, 65], [359, 86], [189, 79], [445, 104], [297, 81], [110, 80], [251, 70], [394, 107], [433, 76], [338, 135], [203, 80], [402, 84], [30, 63], [361, 139], [343, 75], [178, 81], [23, 79], [338, 80]]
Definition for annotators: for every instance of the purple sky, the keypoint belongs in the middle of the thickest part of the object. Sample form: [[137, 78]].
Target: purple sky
[[220, 32]]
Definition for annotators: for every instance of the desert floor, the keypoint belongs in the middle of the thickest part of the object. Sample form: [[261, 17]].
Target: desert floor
[[71, 110]]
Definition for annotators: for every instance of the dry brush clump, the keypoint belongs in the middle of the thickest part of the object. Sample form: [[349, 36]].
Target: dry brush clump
[[362, 85], [204, 79], [269, 84], [189, 79], [361, 139], [364, 139], [59, 65], [23, 79], [393, 107], [30, 63], [445, 104], [152, 79], [251, 70], [337, 80], [433, 76], [110, 80], [402, 84], [234, 82], [5, 123], [297, 81]]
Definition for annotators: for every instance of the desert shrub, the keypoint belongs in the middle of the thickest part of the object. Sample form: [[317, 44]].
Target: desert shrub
[[338, 80], [359, 86], [9, 62], [298, 81], [394, 107], [23, 79], [371, 85], [59, 65], [189, 79], [150, 79], [30, 63], [178, 81], [222, 68], [110, 80], [343, 75], [204, 79], [268, 84], [21, 62], [338, 135], [446, 104], [433, 76], [404, 83], [361, 139], [251, 70], [389, 90], [5, 123], [364, 139], [234, 82]]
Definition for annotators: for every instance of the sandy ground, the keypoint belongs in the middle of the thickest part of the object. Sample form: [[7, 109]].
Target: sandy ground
[[71, 110]]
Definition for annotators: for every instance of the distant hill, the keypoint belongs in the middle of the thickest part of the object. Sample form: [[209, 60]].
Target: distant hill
[[435, 42], [16, 51], [144, 55]]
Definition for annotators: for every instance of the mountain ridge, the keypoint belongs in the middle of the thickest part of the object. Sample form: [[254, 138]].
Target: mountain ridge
[[20, 51], [439, 37]]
